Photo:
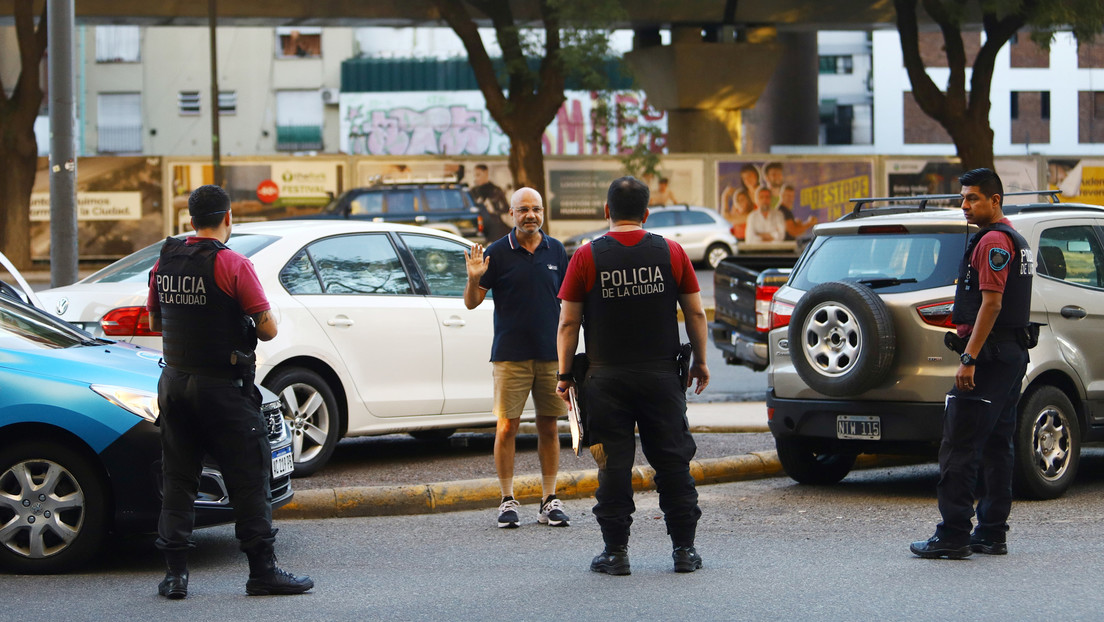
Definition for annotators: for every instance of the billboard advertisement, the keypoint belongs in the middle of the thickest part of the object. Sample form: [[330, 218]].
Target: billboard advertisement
[[259, 190], [1080, 180], [805, 191], [118, 207], [908, 177]]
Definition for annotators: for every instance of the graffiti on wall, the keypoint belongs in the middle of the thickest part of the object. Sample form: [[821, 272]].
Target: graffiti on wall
[[411, 124], [438, 130]]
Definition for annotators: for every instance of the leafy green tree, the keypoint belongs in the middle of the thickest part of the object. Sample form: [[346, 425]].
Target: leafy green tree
[[572, 42], [18, 146], [963, 112]]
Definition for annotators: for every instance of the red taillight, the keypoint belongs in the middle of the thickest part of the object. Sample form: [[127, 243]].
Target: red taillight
[[127, 322], [937, 314], [479, 223], [780, 313], [763, 296]]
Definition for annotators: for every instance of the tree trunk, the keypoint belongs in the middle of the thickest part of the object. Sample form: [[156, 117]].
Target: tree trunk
[[974, 144], [18, 146], [18, 164], [527, 163]]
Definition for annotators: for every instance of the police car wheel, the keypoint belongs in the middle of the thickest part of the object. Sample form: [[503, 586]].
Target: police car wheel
[[57, 510], [1048, 444], [841, 339], [311, 412], [805, 465]]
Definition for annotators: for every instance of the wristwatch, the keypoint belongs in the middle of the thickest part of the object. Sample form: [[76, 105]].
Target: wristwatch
[[568, 377], [967, 359]]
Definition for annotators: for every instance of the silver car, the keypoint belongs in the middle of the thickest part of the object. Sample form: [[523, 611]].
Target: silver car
[[703, 233], [858, 362]]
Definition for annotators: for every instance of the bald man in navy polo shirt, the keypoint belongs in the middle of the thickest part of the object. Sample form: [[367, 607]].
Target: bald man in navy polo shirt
[[524, 269]]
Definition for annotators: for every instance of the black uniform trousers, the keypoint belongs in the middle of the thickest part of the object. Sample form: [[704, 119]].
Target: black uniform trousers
[[651, 398], [205, 415], [975, 455]]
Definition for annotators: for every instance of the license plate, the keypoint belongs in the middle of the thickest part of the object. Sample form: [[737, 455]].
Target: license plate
[[862, 427], [282, 462]]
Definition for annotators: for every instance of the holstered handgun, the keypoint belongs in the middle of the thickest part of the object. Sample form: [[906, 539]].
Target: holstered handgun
[[249, 332], [683, 358], [245, 366], [954, 343]]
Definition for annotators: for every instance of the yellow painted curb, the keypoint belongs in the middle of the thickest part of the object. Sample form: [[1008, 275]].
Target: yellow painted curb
[[484, 493]]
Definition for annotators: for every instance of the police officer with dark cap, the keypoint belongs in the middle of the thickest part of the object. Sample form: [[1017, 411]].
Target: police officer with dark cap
[[625, 288], [210, 307], [991, 308]]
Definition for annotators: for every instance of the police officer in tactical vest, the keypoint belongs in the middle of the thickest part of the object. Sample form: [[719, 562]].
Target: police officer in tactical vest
[[991, 308], [210, 307], [625, 288]]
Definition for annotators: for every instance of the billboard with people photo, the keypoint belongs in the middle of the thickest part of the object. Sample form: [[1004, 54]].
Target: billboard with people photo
[[777, 200]]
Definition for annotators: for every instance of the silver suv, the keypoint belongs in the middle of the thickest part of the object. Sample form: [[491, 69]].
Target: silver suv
[[857, 358]]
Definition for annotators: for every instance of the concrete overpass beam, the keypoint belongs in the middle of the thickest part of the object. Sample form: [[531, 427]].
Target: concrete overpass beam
[[703, 86]]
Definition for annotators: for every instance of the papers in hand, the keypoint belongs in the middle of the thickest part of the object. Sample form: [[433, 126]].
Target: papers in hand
[[573, 420]]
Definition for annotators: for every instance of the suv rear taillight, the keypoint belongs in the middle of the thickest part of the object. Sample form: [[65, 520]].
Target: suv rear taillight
[[780, 313], [127, 322], [937, 314], [763, 296]]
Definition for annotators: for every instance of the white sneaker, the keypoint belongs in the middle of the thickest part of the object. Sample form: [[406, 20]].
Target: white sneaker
[[552, 513], [507, 513]]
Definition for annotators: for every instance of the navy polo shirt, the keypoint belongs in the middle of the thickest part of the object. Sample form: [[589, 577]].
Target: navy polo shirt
[[525, 287]]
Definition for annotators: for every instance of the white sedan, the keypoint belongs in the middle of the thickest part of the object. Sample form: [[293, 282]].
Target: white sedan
[[373, 335]]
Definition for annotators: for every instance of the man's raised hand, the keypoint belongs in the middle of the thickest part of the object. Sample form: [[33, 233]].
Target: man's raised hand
[[476, 262]]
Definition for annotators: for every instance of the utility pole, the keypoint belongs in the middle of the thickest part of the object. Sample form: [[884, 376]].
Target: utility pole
[[63, 155], [216, 158]]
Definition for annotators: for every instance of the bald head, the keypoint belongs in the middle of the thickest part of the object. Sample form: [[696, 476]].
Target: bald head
[[523, 193], [527, 208]]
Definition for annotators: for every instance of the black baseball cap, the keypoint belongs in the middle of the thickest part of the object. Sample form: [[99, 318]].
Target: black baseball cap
[[206, 200]]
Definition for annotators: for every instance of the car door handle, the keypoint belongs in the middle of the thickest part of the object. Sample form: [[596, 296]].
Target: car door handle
[[1073, 311], [339, 321], [454, 321]]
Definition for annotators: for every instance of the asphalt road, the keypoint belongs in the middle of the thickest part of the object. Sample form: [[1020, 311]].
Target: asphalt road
[[773, 550]]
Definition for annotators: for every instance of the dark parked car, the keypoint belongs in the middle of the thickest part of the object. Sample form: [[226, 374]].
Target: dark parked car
[[440, 204]]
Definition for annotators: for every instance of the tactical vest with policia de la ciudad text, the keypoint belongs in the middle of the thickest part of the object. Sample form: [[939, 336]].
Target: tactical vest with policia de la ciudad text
[[201, 325], [1016, 301], [630, 315]]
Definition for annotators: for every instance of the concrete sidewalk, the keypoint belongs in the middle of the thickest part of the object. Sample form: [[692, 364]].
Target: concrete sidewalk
[[484, 493]]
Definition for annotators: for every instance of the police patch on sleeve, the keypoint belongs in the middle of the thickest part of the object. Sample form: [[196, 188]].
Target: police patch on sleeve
[[998, 258]]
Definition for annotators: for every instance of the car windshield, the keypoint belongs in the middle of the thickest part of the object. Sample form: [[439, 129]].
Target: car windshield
[[25, 328], [890, 262], [135, 267]]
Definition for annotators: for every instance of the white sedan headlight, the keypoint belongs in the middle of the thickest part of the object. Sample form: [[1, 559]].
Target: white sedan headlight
[[141, 403]]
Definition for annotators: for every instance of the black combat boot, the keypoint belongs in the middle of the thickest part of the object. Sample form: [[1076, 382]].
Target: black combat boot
[[686, 559], [267, 579], [613, 560], [175, 584]]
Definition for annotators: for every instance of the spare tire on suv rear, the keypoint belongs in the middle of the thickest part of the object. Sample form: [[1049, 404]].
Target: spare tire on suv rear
[[841, 338]]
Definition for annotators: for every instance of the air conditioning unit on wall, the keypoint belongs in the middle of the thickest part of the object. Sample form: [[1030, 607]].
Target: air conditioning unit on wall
[[330, 96]]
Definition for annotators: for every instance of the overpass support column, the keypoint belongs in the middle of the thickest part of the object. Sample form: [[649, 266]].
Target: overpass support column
[[787, 112], [708, 87]]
